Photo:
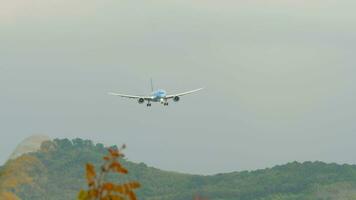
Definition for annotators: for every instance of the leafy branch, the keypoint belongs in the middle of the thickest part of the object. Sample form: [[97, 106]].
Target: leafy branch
[[98, 189]]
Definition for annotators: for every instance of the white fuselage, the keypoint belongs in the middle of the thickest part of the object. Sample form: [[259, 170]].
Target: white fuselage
[[159, 96]]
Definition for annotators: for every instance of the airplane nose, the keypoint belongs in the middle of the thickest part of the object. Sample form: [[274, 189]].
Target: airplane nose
[[162, 101]]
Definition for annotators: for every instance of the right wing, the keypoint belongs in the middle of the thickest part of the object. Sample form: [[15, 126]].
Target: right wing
[[184, 93], [130, 96]]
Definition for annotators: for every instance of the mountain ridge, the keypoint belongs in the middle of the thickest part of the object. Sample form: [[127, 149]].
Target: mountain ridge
[[56, 172]]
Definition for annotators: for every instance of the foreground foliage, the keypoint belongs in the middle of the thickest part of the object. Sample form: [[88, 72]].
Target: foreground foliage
[[101, 190]]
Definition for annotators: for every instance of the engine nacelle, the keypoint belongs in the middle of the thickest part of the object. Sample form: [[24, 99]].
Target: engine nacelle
[[141, 100], [176, 98]]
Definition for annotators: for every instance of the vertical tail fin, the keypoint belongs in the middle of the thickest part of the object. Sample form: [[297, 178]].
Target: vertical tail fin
[[152, 85]]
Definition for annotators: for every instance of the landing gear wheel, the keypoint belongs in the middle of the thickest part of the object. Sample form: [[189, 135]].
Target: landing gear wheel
[[148, 105], [166, 104]]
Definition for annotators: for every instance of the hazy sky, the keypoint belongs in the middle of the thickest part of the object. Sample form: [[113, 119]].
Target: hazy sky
[[279, 78]]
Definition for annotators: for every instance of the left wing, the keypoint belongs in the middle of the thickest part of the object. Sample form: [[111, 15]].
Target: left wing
[[130, 96], [182, 94]]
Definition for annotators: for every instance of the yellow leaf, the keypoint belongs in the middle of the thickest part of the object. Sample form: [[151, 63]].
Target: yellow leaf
[[132, 196], [83, 195], [108, 186], [93, 193], [117, 167], [114, 153], [113, 197], [90, 172], [134, 185]]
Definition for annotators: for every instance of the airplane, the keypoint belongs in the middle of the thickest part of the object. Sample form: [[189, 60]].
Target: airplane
[[156, 96]]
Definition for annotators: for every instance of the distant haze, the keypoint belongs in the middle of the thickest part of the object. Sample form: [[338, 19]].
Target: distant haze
[[279, 79], [30, 144]]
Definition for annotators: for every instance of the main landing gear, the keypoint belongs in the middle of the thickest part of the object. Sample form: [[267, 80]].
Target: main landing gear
[[149, 105], [165, 104]]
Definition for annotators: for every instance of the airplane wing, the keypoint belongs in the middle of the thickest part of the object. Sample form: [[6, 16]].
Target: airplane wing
[[182, 94], [129, 96]]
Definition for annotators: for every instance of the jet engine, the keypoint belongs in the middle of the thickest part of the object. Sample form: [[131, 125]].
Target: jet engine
[[141, 100], [176, 98]]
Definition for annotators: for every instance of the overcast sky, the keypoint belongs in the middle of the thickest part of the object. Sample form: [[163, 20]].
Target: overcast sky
[[279, 78]]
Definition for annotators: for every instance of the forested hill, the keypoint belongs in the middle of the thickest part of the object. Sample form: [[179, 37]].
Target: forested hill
[[56, 172]]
